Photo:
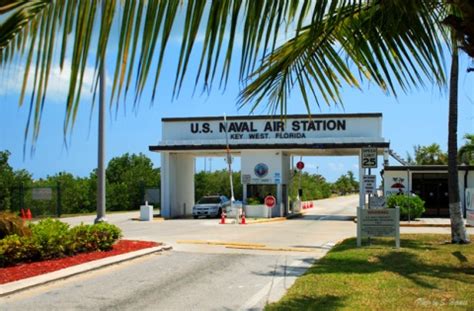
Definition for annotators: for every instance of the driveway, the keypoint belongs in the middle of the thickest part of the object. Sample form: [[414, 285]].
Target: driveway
[[201, 276]]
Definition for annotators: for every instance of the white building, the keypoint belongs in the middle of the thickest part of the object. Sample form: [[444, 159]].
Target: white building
[[430, 182], [265, 144]]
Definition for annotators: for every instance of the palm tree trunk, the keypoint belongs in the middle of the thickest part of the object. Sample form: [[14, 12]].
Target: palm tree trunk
[[458, 229]]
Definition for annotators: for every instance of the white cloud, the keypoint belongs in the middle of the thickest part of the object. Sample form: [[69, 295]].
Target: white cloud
[[311, 166], [336, 167], [58, 85]]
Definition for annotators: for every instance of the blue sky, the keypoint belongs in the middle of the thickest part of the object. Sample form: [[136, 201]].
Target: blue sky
[[419, 117]]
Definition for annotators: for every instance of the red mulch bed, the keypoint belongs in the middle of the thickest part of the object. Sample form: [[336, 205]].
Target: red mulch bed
[[26, 270]]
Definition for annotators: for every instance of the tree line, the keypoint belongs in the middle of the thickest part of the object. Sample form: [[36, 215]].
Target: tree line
[[128, 178], [434, 155]]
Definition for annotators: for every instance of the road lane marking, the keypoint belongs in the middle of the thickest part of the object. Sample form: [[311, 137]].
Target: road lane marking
[[220, 243], [277, 249]]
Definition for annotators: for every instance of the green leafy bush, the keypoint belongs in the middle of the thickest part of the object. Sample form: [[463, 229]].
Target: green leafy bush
[[14, 249], [51, 237], [412, 206], [12, 224], [11, 250], [100, 236], [253, 201]]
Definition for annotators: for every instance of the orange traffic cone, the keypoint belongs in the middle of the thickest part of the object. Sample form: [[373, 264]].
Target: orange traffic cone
[[28, 214], [311, 204], [222, 222], [23, 215], [243, 219]]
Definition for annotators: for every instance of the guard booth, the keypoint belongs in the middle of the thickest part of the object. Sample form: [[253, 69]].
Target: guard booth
[[266, 145]]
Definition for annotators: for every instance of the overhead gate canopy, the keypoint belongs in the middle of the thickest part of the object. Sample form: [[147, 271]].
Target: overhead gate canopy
[[266, 140]]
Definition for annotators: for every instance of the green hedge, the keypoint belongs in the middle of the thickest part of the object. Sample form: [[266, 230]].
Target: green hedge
[[12, 224], [409, 205], [54, 239]]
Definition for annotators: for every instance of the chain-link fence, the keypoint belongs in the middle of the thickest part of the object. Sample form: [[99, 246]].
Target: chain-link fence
[[41, 201], [60, 200]]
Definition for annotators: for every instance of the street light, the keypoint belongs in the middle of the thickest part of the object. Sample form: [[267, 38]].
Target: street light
[[101, 142]]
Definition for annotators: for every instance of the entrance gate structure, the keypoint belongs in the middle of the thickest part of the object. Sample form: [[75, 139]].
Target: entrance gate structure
[[265, 144]]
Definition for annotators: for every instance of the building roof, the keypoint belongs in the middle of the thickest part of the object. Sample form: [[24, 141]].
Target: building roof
[[276, 117]]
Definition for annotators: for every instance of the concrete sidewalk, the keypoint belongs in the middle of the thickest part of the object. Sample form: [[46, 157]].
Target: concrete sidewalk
[[428, 222], [24, 284]]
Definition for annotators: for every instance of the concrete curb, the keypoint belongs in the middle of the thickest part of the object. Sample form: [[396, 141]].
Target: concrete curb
[[264, 220], [21, 285], [415, 225], [220, 243], [155, 219], [275, 249], [249, 221], [295, 215]]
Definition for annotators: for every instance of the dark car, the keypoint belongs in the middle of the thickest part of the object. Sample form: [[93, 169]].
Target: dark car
[[210, 206]]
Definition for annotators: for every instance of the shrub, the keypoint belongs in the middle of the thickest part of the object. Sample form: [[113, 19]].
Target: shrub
[[51, 237], [12, 224], [409, 205], [14, 249], [100, 236], [253, 201], [105, 235]]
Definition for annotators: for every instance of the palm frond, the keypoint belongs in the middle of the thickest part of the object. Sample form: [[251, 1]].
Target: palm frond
[[397, 45], [394, 43]]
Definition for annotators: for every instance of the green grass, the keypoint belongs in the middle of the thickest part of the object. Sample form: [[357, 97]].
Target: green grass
[[426, 273]]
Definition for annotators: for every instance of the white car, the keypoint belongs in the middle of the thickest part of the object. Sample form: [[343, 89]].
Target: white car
[[210, 206]]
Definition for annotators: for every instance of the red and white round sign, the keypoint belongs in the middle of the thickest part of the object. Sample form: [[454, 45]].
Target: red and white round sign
[[270, 201], [300, 165]]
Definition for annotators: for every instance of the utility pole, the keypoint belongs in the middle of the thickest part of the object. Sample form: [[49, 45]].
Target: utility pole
[[101, 142], [229, 166]]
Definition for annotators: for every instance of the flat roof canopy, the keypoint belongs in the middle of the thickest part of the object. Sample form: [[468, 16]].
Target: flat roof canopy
[[325, 134]]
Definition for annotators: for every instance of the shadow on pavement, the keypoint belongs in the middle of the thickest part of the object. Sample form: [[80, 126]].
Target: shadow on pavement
[[326, 217]]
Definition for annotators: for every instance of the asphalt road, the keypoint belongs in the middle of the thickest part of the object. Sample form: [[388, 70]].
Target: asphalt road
[[196, 276]]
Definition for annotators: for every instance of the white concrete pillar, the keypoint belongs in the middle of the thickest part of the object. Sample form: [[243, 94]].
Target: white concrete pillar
[[165, 185], [177, 184], [278, 209], [244, 192], [385, 157], [184, 187]]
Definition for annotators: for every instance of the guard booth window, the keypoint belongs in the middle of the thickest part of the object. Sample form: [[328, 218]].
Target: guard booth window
[[259, 192]]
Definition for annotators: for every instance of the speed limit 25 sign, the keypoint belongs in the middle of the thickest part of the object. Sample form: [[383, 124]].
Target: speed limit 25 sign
[[369, 158]]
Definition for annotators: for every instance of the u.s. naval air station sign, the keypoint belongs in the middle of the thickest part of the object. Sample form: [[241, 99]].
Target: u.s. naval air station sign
[[360, 129]]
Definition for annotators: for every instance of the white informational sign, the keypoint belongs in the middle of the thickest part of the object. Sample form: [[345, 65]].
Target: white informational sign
[[41, 194], [376, 202], [246, 178], [469, 196], [369, 184], [369, 158], [297, 129], [378, 223]]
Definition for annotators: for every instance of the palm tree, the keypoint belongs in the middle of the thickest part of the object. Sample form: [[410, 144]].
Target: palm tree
[[458, 230], [396, 44], [430, 155], [466, 152]]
